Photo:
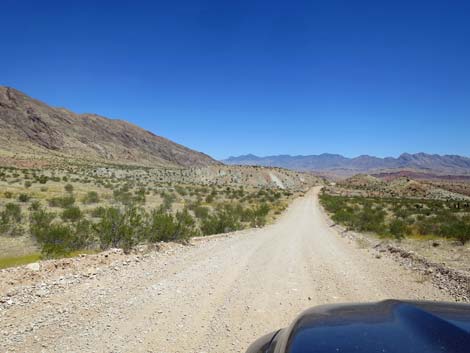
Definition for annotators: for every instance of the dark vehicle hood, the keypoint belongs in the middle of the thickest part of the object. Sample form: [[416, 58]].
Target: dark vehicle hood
[[390, 326]]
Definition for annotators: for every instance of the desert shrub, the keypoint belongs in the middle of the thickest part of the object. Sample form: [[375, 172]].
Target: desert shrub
[[72, 214], [56, 241], [222, 221], [185, 226], [137, 219], [427, 226], [83, 234], [139, 195], [8, 194], [27, 184], [259, 214], [123, 195], [162, 226], [42, 179], [168, 199], [167, 227], [332, 203], [122, 229], [402, 213], [344, 216], [370, 220], [35, 205], [409, 216], [458, 229], [11, 214], [23, 197], [91, 197], [63, 201], [10, 220], [68, 188], [181, 190], [239, 193], [211, 197], [98, 212], [40, 221], [397, 228], [109, 229], [464, 236], [201, 212]]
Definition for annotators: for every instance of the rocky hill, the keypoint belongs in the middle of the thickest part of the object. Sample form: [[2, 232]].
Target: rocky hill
[[401, 187], [32, 129], [222, 175], [334, 163]]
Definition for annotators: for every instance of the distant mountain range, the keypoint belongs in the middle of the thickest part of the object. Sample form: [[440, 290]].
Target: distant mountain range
[[337, 164], [33, 130]]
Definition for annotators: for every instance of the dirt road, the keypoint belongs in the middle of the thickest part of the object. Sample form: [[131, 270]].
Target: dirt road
[[215, 296]]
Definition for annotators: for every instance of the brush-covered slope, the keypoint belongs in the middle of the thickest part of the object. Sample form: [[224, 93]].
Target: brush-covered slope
[[33, 128]]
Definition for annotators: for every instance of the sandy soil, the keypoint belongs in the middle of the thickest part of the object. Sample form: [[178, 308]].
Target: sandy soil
[[217, 295]]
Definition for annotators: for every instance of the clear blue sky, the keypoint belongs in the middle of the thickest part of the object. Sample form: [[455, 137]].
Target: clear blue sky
[[264, 77]]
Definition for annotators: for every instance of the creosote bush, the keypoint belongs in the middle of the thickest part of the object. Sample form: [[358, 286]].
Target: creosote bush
[[128, 226], [165, 226], [23, 197], [10, 220], [91, 197], [401, 217], [232, 217], [63, 201], [97, 212], [68, 188], [71, 214], [58, 239]]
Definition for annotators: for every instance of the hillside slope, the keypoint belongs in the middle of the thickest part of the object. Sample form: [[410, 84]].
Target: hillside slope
[[30, 127]]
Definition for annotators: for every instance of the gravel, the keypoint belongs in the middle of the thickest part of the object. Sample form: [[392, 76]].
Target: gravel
[[216, 295]]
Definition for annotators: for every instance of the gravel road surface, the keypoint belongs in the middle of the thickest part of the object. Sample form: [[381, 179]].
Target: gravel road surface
[[216, 295]]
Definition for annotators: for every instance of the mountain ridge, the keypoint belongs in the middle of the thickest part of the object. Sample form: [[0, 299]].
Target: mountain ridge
[[328, 162], [31, 127]]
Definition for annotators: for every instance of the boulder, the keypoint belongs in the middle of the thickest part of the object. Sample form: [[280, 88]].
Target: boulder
[[35, 266]]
